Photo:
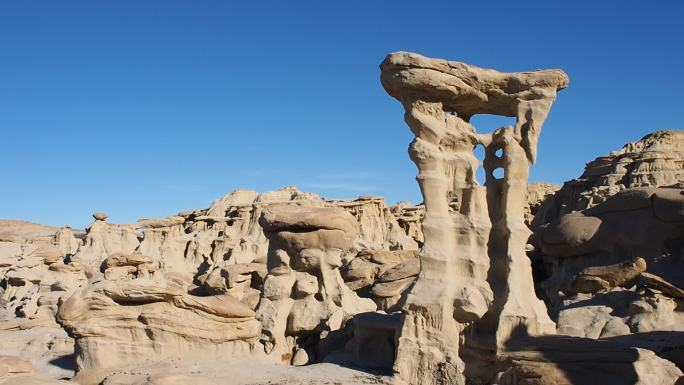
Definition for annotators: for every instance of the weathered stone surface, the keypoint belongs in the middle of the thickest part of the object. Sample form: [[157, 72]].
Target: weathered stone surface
[[304, 292], [653, 281], [16, 371], [597, 278], [117, 323], [557, 360], [465, 224], [639, 219], [656, 160]]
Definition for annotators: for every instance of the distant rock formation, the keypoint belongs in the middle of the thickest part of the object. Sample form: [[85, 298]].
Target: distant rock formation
[[656, 160], [184, 284]]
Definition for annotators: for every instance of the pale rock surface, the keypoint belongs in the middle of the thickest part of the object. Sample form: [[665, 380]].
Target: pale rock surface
[[118, 323], [207, 370], [466, 224], [35, 275], [372, 273], [537, 196], [656, 160], [216, 252], [15, 371], [304, 297]]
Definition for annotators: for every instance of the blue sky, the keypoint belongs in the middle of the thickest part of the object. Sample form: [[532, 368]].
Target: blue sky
[[146, 108]]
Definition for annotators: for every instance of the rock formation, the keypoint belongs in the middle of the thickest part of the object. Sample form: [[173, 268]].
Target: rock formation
[[439, 293], [656, 160], [383, 276], [118, 323], [304, 295], [608, 247], [455, 287], [182, 285]]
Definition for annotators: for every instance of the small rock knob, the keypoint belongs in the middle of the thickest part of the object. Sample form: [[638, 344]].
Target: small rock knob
[[100, 216]]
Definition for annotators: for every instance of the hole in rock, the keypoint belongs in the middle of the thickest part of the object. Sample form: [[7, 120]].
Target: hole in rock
[[479, 153], [498, 173], [485, 123], [498, 153]]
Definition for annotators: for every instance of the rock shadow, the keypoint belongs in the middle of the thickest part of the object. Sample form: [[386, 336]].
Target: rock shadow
[[565, 360], [66, 362]]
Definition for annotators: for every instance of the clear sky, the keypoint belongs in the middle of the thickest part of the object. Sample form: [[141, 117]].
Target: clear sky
[[146, 108]]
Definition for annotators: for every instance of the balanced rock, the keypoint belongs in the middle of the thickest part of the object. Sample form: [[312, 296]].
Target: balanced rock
[[304, 294]]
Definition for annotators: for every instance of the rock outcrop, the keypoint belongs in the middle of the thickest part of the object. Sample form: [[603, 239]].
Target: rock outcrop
[[14, 371], [118, 323], [304, 296], [161, 265], [608, 245], [656, 160], [465, 224]]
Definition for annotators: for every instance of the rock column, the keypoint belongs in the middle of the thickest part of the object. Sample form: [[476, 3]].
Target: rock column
[[467, 226]]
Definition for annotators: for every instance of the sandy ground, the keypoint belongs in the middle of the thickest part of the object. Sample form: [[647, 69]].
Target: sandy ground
[[237, 372]]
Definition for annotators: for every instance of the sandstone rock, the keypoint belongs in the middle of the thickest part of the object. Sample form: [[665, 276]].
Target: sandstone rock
[[409, 217], [658, 283], [375, 268], [15, 371], [571, 361], [656, 160], [591, 322], [391, 288], [597, 278], [634, 219], [100, 216], [539, 201], [117, 323], [632, 222], [409, 268], [439, 97], [304, 288]]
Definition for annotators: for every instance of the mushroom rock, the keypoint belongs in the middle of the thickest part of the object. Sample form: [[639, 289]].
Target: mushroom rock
[[466, 224], [303, 295]]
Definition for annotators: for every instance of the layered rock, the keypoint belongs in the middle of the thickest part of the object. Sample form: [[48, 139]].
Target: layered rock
[[118, 323], [656, 160], [14, 370], [219, 251], [560, 360], [466, 224], [35, 275], [383, 276], [304, 297], [637, 222]]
